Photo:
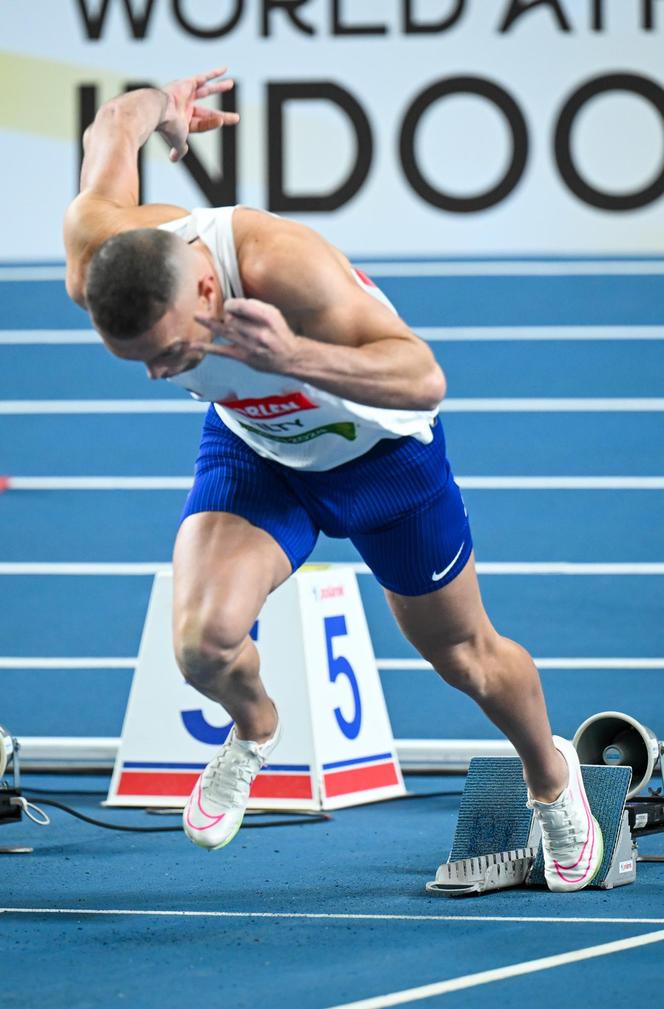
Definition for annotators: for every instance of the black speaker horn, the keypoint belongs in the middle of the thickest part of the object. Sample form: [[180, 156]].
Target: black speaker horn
[[613, 738]]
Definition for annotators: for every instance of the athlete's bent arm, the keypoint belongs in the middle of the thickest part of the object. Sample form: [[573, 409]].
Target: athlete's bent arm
[[310, 319], [108, 200]]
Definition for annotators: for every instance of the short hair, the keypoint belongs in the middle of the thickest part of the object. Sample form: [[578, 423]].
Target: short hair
[[132, 280]]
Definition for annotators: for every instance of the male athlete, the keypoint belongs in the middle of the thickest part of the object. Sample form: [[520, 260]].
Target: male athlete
[[324, 416]]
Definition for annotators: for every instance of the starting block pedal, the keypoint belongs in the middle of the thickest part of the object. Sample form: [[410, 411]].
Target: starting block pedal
[[497, 839]]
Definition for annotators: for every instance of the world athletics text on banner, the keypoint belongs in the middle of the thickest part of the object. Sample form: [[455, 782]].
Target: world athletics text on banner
[[445, 127]]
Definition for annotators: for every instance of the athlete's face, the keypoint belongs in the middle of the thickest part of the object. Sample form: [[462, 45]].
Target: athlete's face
[[176, 342]]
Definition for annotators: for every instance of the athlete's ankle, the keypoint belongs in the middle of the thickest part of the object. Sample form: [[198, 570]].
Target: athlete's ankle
[[549, 784], [260, 727]]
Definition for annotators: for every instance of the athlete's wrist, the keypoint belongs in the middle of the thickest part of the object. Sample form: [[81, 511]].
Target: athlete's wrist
[[138, 113], [168, 109], [299, 361]]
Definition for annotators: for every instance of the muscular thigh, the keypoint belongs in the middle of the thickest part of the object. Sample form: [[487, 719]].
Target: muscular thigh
[[441, 620], [223, 569]]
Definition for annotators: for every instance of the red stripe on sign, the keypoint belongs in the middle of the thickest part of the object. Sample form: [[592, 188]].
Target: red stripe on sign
[[266, 786], [360, 779], [156, 783], [282, 786]]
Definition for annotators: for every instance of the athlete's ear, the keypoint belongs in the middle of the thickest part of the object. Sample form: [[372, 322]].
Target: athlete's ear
[[206, 290]]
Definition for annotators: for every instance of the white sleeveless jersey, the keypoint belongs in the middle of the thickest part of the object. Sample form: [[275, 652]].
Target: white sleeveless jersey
[[283, 418]]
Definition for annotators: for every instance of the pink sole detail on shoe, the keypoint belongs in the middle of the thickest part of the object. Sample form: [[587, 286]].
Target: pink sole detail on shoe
[[213, 819], [590, 838]]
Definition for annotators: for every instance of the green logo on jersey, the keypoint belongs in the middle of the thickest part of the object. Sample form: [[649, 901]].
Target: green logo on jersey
[[343, 428]]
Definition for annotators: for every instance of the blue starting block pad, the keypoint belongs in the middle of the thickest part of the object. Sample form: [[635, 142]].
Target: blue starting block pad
[[497, 838]]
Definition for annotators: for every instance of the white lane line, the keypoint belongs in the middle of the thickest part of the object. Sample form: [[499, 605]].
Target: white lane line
[[24, 337], [469, 334], [112, 483], [501, 973], [561, 482], [432, 334], [461, 405], [36, 662], [64, 662], [562, 568], [51, 406], [84, 568], [552, 663], [512, 268], [330, 916], [553, 405], [15, 273], [565, 568], [432, 268]]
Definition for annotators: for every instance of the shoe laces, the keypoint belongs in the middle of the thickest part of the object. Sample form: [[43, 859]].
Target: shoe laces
[[561, 831], [229, 775]]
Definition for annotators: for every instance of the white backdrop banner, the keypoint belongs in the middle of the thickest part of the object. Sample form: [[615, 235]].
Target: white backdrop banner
[[395, 127]]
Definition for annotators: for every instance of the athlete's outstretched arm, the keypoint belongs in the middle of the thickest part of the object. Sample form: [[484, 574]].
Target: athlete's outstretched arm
[[108, 198]]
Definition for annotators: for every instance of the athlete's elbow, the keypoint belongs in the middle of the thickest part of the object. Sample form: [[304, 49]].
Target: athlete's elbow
[[75, 288], [433, 388], [112, 118]]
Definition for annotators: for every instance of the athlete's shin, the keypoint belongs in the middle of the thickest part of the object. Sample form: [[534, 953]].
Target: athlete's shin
[[232, 678], [502, 679]]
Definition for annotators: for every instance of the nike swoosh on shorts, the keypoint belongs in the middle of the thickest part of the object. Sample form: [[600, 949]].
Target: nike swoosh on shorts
[[437, 575]]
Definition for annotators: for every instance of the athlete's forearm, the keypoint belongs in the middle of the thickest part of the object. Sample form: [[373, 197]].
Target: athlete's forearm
[[111, 144], [392, 373]]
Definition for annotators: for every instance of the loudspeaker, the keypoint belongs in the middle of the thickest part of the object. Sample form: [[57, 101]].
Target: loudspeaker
[[613, 738], [7, 749]]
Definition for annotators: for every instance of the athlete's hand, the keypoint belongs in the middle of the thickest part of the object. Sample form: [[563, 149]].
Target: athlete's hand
[[184, 115], [256, 333]]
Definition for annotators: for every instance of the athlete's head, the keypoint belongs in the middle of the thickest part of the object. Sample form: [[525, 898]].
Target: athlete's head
[[143, 289]]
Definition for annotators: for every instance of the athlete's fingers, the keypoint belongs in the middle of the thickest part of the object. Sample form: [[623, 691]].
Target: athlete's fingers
[[206, 110], [214, 89], [220, 329], [178, 153], [214, 325], [250, 309], [240, 320], [204, 125], [220, 350], [253, 336], [247, 304], [244, 315], [209, 75], [204, 119]]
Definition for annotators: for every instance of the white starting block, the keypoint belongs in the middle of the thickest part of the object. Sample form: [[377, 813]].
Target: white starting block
[[317, 661], [497, 839]]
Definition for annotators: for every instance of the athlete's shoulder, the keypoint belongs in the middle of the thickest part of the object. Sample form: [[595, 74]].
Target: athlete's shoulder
[[278, 258], [260, 228]]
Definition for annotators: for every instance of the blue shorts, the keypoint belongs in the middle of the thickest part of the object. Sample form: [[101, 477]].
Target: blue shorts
[[398, 504]]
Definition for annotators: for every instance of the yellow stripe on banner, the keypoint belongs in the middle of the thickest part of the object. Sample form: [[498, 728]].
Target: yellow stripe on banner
[[38, 87]]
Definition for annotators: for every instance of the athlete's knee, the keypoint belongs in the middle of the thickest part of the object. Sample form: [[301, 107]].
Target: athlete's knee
[[472, 664], [207, 645]]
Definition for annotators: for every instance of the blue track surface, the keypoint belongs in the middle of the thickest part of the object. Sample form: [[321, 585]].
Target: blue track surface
[[368, 861], [483, 368]]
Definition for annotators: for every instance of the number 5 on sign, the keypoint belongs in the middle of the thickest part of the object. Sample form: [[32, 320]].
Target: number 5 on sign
[[351, 731], [335, 627]]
